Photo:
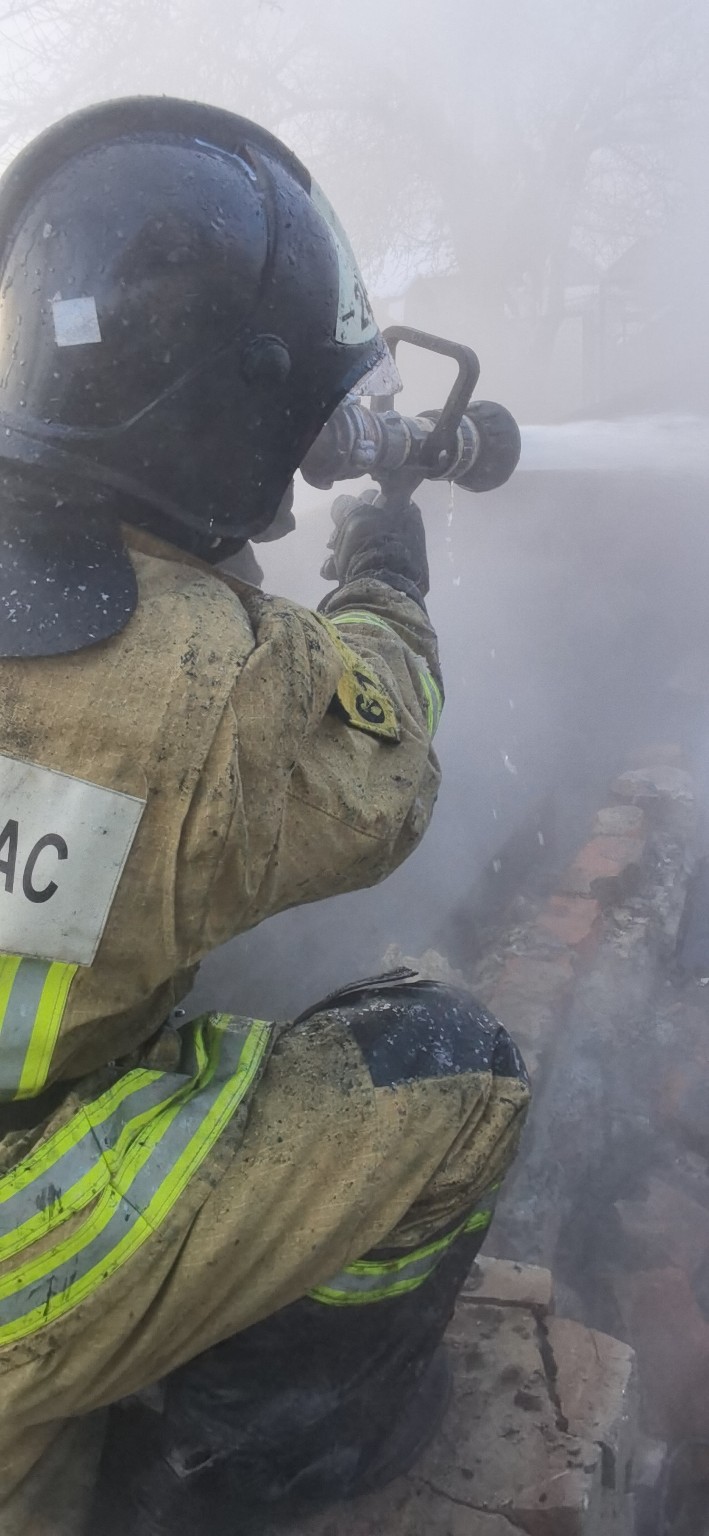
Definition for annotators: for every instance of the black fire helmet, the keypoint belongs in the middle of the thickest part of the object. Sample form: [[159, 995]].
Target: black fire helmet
[[180, 314]]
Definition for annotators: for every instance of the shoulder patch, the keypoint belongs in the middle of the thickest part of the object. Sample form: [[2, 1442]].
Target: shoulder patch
[[360, 699]]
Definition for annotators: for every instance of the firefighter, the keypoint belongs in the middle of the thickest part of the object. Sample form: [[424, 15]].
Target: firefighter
[[271, 1221]]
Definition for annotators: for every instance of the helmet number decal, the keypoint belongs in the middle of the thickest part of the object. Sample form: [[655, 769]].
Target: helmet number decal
[[355, 320], [75, 322]]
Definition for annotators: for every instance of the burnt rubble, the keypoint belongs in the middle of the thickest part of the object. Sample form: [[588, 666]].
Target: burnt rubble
[[602, 976]]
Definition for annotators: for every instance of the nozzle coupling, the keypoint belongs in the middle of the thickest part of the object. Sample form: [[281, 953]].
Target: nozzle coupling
[[356, 441]]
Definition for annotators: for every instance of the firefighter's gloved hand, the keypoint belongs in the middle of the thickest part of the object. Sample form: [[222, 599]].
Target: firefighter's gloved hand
[[371, 541]]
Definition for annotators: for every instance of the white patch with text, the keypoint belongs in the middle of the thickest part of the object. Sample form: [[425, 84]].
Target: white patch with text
[[63, 846]]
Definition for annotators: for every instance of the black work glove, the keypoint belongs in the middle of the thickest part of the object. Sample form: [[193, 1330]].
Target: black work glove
[[373, 542]]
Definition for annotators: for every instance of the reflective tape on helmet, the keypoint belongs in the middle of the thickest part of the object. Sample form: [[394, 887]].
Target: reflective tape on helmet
[[369, 1280], [124, 1159], [433, 696], [33, 995]]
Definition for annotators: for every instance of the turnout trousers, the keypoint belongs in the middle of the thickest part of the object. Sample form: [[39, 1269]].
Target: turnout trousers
[[286, 1268]]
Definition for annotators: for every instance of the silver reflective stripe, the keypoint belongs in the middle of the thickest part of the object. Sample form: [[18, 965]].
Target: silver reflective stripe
[[33, 997], [381, 1279], [19, 1021], [369, 1280], [143, 1182], [57, 1176], [431, 691]]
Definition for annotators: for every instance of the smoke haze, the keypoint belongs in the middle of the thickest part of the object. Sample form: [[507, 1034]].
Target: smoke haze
[[529, 180]]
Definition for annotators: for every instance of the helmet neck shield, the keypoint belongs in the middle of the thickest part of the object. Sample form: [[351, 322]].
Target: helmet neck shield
[[63, 585]]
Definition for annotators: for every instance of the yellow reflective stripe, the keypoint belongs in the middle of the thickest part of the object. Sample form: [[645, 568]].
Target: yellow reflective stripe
[[47, 1024], [356, 1285], [482, 1219], [8, 970], [433, 710], [89, 1131], [33, 995], [432, 692], [47, 1153], [435, 699], [165, 1155], [362, 616], [429, 701], [332, 1298], [152, 1215], [73, 1196], [404, 1261], [9, 966], [113, 1195], [103, 1178], [213, 1124], [72, 1166], [79, 1160]]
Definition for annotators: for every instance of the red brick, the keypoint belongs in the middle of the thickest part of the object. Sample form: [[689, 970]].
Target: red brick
[[620, 821], [684, 1103], [671, 1338], [666, 1223], [541, 981], [574, 921], [508, 1284], [596, 1386], [645, 786], [530, 996], [607, 867], [532, 1024]]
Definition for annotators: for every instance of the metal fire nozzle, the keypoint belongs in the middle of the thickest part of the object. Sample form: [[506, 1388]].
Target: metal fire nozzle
[[476, 445], [481, 454]]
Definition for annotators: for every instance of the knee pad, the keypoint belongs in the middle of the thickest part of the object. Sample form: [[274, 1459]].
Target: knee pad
[[411, 1029]]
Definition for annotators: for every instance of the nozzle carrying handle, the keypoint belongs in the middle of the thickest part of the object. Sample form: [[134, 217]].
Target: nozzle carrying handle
[[439, 447], [441, 443], [475, 445]]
